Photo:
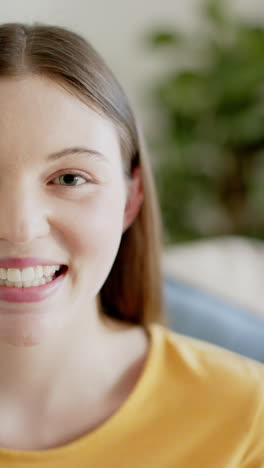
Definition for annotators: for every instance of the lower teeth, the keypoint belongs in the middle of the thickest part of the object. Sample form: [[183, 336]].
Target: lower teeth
[[26, 284]]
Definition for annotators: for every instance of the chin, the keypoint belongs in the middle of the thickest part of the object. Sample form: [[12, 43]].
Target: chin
[[27, 335]]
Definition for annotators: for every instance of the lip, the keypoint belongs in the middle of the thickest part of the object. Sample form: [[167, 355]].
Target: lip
[[24, 262], [32, 294]]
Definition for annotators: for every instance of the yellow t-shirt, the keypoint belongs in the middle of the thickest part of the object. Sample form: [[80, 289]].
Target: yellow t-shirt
[[195, 405]]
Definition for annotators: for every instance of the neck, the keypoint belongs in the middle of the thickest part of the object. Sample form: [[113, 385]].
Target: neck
[[37, 373]]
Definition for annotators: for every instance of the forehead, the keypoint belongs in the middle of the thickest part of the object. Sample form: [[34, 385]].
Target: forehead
[[37, 111]]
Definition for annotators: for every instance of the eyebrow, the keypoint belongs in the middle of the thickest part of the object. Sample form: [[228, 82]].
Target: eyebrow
[[77, 150]]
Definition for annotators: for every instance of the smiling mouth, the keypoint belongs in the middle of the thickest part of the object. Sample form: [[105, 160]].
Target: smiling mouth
[[38, 284]]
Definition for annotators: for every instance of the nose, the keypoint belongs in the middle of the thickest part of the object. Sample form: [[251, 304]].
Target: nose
[[22, 215]]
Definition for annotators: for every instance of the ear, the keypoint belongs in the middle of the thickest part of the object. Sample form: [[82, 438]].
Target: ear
[[134, 197]]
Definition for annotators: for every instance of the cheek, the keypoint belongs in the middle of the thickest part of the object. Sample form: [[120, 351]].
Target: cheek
[[95, 228]]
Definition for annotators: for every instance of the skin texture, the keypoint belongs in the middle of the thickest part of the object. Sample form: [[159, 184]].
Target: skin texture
[[61, 342]]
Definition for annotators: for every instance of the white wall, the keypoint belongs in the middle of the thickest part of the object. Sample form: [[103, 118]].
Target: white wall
[[115, 28]]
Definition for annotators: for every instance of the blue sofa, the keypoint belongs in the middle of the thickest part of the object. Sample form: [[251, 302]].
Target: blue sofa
[[196, 313]]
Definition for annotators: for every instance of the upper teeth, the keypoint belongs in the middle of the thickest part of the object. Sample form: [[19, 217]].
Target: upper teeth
[[28, 274]]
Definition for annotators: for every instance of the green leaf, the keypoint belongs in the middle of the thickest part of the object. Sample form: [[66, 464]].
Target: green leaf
[[214, 11], [185, 93], [212, 128], [162, 38]]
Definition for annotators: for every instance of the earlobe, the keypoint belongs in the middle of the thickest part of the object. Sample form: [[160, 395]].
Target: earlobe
[[134, 199]]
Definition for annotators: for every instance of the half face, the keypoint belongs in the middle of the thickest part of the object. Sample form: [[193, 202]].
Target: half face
[[63, 197]]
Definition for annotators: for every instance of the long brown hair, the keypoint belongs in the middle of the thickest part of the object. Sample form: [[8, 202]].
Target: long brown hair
[[133, 290]]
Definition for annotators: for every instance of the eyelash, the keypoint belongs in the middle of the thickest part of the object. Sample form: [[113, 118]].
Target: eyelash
[[76, 174]]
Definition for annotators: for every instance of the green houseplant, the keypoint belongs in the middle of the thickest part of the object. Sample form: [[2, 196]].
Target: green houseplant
[[209, 152]]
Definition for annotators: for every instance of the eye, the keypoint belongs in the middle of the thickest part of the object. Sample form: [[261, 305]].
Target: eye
[[70, 179]]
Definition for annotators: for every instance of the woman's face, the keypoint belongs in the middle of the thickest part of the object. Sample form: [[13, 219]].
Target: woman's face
[[75, 221]]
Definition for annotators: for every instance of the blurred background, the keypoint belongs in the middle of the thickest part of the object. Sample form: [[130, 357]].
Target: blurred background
[[194, 74]]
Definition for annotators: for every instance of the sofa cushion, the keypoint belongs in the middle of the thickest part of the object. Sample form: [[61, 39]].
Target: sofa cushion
[[194, 312], [231, 267]]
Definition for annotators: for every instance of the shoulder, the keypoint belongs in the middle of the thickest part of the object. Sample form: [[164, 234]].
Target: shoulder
[[210, 362], [226, 387], [215, 396], [207, 374]]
